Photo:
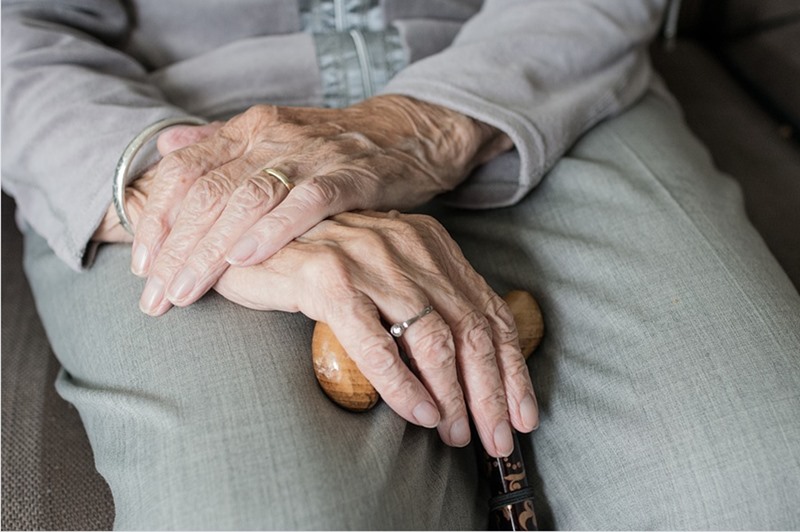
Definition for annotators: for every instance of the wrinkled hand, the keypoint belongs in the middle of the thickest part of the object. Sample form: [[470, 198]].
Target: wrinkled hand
[[210, 204], [357, 269]]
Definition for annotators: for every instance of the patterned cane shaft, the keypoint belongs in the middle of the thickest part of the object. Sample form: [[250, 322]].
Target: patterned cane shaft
[[511, 503]]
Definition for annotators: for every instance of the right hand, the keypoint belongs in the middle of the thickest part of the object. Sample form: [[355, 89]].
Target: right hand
[[357, 270]]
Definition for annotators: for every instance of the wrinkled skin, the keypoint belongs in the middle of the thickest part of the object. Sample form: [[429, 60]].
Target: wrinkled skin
[[211, 205], [351, 270]]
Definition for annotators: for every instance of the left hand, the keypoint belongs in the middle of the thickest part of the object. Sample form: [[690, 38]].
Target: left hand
[[211, 205]]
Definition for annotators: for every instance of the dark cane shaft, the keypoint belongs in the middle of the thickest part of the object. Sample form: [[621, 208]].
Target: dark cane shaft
[[511, 498]]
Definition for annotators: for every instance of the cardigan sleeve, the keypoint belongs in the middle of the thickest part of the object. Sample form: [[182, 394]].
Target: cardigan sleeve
[[71, 103], [542, 71]]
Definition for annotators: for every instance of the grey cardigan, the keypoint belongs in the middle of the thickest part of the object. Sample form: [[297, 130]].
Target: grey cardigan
[[82, 77]]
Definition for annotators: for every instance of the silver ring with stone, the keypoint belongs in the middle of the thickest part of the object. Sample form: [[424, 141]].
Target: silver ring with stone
[[398, 329]]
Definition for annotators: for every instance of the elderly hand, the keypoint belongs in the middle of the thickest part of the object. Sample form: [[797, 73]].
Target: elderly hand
[[212, 204], [358, 269]]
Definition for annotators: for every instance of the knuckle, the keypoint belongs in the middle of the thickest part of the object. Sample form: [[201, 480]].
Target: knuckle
[[410, 235], [180, 167], [507, 338], [380, 359], [208, 254], [436, 351], [173, 163], [207, 193], [253, 193], [151, 226], [279, 222], [505, 327], [492, 401], [453, 398], [401, 387], [484, 358], [318, 192], [476, 330], [331, 268], [168, 259], [230, 133], [518, 373], [495, 305], [367, 242], [407, 240]]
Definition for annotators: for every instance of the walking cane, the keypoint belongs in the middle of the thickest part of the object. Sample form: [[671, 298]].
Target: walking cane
[[511, 502]]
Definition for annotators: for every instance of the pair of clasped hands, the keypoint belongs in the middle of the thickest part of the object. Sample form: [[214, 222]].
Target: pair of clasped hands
[[206, 217]]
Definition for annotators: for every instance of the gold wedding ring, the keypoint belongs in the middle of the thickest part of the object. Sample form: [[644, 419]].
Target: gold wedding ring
[[280, 176]]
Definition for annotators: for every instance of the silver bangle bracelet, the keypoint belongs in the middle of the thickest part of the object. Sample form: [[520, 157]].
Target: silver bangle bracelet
[[125, 161]]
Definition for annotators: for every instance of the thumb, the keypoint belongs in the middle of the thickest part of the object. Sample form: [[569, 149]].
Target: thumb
[[178, 137]]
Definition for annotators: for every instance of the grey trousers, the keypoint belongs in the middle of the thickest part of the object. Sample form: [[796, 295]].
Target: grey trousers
[[669, 378]]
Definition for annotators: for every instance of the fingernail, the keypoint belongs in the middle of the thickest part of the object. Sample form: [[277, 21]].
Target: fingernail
[[242, 251], [182, 285], [152, 295], [139, 260], [459, 432], [529, 412], [503, 440], [426, 414]]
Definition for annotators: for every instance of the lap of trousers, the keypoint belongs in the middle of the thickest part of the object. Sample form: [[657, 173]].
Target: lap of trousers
[[668, 380]]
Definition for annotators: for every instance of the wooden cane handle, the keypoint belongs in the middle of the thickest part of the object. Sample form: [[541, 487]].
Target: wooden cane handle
[[338, 375], [343, 382]]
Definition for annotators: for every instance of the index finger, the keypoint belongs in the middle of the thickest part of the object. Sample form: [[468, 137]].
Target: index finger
[[358, 328], [172, 179]]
